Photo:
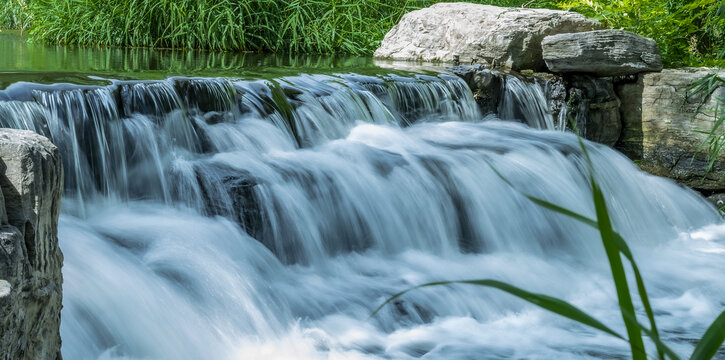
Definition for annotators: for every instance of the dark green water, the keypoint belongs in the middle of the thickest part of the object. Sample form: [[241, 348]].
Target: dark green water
[[21, 60]]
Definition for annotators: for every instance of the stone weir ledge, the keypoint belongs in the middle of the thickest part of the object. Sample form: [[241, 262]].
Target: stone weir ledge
[[31, 180], [610, 82]]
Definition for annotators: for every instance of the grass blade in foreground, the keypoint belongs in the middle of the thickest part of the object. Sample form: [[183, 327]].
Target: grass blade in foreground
[[624, 249], [711, 341], [621, 244], [618, 274], [549, 303]]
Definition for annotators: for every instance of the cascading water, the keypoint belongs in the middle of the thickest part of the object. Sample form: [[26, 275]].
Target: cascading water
[[223, 219]]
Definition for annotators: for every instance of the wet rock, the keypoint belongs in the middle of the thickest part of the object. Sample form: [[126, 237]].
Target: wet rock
[[208, 95], [593, 107], [601, 53], [630, 111], [717, 200], [469, 33], [30, 259], [670, 126]]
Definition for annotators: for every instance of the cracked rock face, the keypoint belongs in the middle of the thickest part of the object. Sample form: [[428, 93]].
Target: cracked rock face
[[601, 53], [30, 259], [479, 33], [664, 125]]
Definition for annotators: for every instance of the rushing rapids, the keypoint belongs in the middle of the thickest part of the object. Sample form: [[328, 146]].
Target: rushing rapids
[[225, 219]]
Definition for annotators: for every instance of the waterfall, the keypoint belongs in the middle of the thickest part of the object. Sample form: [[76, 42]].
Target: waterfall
[[231, 219]]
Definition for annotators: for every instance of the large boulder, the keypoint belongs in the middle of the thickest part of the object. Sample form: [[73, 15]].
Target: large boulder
[[664, 125], [601, 53], [30, 259], [476, 33]]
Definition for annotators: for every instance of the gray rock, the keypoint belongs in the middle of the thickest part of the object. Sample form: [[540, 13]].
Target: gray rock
[[666, 125], [30, 259], [470, 32], [601, 53]]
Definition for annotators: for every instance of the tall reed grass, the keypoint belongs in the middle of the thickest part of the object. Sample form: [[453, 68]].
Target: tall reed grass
[[299, 26], [617, 250], [14, 14]]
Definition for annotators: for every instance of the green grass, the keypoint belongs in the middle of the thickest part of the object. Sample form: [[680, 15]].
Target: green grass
[[299, 26], [14, 14], [615, 247]]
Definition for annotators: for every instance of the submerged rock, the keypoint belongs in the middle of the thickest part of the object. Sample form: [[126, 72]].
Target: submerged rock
[[472, 33], [601, 53], [30, 259], [668, 126]]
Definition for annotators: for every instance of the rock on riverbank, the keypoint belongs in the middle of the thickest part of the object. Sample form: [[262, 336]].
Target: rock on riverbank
[[664, 125], [479, 33], [601, 53], [30, 260]]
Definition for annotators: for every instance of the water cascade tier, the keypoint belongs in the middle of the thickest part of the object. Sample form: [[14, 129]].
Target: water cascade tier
[[235, 219]]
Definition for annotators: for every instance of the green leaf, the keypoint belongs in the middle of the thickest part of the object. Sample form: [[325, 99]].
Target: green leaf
[[711, 341], [618, 274], [549, 303]]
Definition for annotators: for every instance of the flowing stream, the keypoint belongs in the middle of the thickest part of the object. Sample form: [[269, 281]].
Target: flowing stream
[[213, 218]]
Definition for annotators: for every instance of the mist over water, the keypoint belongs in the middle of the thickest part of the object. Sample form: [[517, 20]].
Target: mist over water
[[228, 219]]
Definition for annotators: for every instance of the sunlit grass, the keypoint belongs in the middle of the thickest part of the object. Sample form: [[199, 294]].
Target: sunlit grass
[[299, 26]]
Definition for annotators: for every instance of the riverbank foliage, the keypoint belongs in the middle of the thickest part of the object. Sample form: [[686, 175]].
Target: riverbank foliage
[[302, 26], [689, 32], [14, 14]]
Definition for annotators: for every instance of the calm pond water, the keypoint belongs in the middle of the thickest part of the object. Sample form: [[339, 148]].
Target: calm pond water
[[21, 60]]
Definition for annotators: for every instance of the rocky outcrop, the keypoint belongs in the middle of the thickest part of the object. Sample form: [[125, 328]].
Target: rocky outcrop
[[665, 124], [472, 33], [601, 53], [30, 259]]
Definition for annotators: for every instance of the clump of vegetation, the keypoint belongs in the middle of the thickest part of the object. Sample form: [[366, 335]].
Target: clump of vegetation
[[300, 26], [616, 250], [14, 14], [688, 32], [704, 88]]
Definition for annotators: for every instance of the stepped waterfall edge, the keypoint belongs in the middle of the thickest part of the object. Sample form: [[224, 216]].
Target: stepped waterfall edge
[[221, 218]]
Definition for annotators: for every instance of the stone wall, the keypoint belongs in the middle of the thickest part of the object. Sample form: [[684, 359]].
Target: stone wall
[[30, 259]]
